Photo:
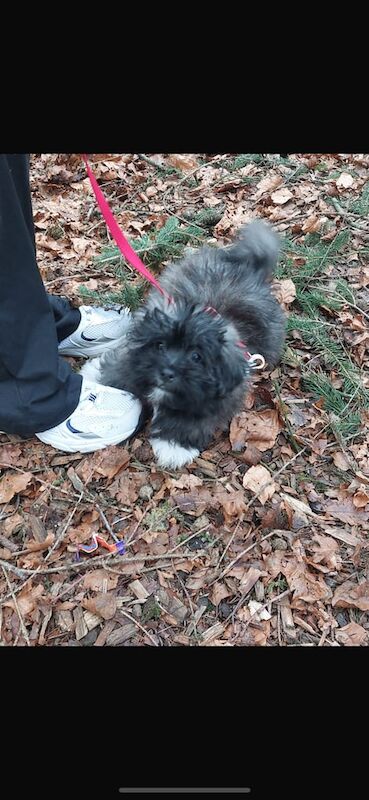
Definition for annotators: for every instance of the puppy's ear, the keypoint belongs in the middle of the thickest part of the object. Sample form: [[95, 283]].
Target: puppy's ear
[[159, 316]]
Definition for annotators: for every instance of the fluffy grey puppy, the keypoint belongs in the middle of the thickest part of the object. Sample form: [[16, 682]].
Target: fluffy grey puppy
[[187, 360]]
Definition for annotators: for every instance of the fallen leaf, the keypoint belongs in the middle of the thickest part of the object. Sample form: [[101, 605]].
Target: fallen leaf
[[299, 506], [305, 585], [352, 595], [219, 592], [281, 196], [104, 605], [13, 483], [352, 635], [27, 600], [186, 481], [100, 580], [256, 614], [267, 184], [172, 604], [233, 505], [259, 428], [35, 546], [202, 577], [325, 551], [107, 463], [345, 511], [182, 161], [284, 291], [340, 461], [343, 535], [344, 181], [312, 224], [13, 524], [254, 479], [360, 498], [249, 579]]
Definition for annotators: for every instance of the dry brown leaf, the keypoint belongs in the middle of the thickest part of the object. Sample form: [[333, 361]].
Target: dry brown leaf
[[344, 181], [254, 479], [304, 584], [12, 524], [342, 535], [267, 184], [34, 546], [352, 635], [219, 592], [249, 579], [312, 224], [107, 462], [281, 196], [199, 579], [13, 483], [172, 604], [104, 605], [340, 461], [183, 161], [27, 600], [185, 481], [299, 506], [259, 428], [126, 487], [284, 291], [100, 580], [233, 504], [11, 454], [326, 551], [360, 498], [345, 511], [352, 595]]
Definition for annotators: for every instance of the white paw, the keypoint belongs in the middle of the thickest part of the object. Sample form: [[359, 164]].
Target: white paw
[[172, 455], [92, 370]]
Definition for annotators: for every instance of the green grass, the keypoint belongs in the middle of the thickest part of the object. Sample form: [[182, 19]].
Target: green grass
[[317, 328]]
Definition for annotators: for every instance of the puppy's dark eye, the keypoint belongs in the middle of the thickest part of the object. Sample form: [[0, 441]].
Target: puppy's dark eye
[[160, 346], [195, 356]]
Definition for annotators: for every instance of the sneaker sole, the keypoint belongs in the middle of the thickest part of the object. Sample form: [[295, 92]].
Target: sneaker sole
[[84, 447]]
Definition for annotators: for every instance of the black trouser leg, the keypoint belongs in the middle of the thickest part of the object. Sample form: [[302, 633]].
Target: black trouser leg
[[37, 388], [66, 318]]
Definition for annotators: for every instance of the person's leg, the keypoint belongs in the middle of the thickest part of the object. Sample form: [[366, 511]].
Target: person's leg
[[39, 393], [37, 388]]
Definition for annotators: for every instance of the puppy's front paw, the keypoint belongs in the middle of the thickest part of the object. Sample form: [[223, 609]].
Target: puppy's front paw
[[172, 455], [92, 369]]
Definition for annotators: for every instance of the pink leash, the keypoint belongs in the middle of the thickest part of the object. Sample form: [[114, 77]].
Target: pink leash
[[117, 234], [136, 262]]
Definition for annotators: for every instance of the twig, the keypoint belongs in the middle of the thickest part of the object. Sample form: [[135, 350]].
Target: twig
[[125, 614], [247, 549], [106, 523], [23, 627], [79, 565], [30, 573], [231, 540]]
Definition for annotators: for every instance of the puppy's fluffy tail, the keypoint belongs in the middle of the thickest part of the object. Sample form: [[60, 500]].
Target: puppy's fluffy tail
[[258, 246]]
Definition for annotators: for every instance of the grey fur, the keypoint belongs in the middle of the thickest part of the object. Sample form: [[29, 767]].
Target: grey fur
[[234, 281]]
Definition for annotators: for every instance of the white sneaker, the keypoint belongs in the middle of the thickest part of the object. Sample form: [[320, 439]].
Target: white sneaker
[[100, 329], [104, 416]]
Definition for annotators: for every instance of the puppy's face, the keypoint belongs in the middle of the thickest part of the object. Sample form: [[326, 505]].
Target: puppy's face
[[188, 358]]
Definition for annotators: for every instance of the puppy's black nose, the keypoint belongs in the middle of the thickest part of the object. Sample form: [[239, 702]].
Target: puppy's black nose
[[168, 373]]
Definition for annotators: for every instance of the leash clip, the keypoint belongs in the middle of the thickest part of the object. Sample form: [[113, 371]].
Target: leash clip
[[257, 357]]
